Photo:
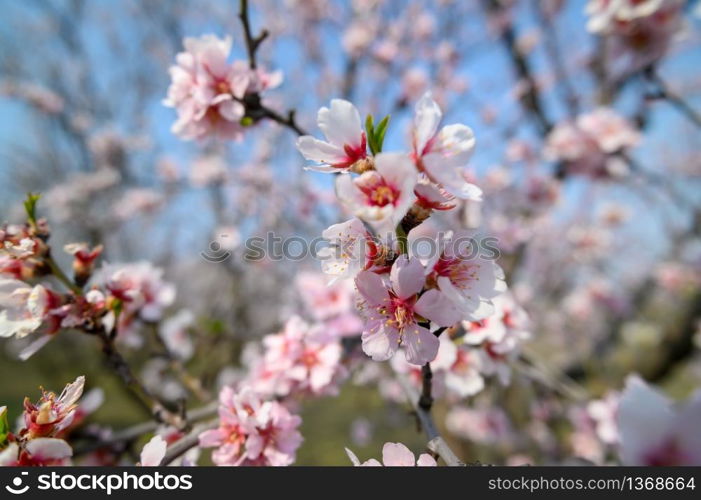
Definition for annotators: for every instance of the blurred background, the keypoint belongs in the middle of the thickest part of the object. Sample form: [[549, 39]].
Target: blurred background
[[607, 266]]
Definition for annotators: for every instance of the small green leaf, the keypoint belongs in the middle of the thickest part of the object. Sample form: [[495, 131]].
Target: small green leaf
[[4, 426], [370, 134], [369, 127], [30, 206], [402, 239], [380, 132], [246, 121]]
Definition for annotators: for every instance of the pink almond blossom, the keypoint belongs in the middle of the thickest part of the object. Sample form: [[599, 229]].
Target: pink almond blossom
[[352, 249], [394, 309], [206, 90], [469, 281], [382, 196], [52, 414], [302, 359], [252, 432], [345, 143], [440, 154]]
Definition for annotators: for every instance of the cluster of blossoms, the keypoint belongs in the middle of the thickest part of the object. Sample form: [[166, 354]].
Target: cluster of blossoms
[[116, 297], [401, 294], [209, 93], [44, 423], [38, 309], [251, 431], [643, 29], [131, 292], [303, 359], [589, 145]]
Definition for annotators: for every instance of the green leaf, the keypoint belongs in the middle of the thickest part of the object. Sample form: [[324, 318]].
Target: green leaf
[[246, 121], [4, 427], [370, 134], [402, 239], [380, 132], [30, 206]]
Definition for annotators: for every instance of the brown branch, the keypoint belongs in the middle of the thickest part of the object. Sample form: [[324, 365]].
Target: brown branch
[[436, 443], [255, 109], [120, 366], [426, 399], [186, 443], [665, 93], [136, 431], [252, 42], [530, 99]]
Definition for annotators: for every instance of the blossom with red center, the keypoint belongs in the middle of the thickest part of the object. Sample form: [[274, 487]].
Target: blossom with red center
[[441, 154], [252, 432], [352, 249], [346, 142], [83, 260], [382, 196], [394, 310], [431, 197], [51, 414], [468, 280]]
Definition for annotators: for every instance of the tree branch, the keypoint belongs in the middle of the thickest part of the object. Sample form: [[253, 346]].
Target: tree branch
[[665, 93], [252, 42], [436, 443], [142, 394], [186, 443]]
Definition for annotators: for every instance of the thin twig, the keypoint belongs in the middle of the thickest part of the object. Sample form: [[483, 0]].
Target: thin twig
[[426, 399], [252, 42], [439, 446], [61, 276], [136, 431], [186, 443], [137, 388], [255, 108], [665, 93], [530, 99]]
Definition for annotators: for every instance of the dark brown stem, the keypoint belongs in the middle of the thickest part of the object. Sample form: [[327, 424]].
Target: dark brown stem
[[252, 42], [426, 399], [665, 93], [120, 366], [530, 99], [186, 443]]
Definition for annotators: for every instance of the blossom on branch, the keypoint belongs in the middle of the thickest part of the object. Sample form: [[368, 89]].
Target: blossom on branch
[[208, 92], [346, 143], [395, 312]]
